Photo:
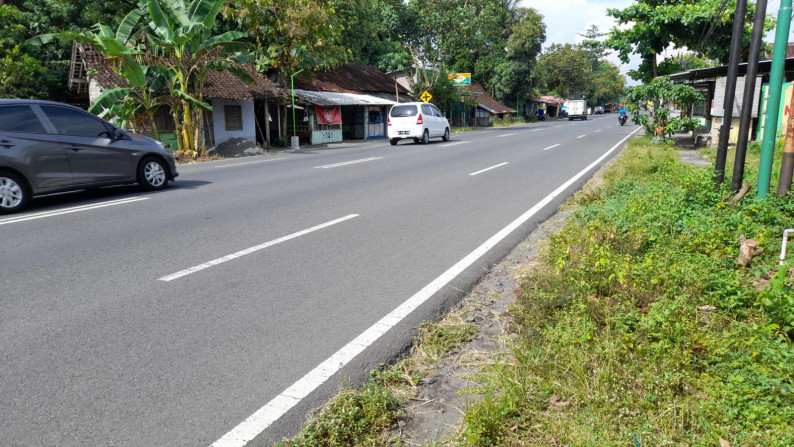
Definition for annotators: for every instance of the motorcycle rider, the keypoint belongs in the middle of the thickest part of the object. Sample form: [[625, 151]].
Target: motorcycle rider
[[622, 114]]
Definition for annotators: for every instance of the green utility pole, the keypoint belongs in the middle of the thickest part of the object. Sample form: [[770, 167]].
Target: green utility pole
[[292, 87], [773, 106]]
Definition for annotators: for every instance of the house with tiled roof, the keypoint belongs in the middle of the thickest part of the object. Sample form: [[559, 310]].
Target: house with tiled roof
[[239, 109], [348, 102]]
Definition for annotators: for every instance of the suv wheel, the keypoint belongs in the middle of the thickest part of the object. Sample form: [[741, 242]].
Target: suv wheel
[[152, 174], [393, 141], [426, 137], [14, 193], [446, 134]]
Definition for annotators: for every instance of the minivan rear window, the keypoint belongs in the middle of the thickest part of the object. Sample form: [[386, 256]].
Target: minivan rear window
[[398, 111]]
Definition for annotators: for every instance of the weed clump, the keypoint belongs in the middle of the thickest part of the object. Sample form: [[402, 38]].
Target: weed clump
[[638, 325]]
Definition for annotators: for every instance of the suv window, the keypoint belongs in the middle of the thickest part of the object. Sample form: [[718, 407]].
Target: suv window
[[400, 111], [436, 112], [20, 118], [74, 123], [427, 110]]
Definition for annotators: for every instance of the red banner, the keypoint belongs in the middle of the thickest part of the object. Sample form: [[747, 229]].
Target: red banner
[[328, 115]]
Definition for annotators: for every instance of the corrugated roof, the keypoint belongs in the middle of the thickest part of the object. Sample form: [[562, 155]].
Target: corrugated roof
[[340, 98], [548, 99]]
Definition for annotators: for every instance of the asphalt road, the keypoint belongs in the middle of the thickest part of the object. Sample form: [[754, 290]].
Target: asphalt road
[[224, 308]]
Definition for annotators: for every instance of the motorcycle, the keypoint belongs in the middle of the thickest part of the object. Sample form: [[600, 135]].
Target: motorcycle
[[622, 118]]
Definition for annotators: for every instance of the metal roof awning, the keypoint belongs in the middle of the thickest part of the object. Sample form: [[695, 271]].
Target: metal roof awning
[[340, 99]]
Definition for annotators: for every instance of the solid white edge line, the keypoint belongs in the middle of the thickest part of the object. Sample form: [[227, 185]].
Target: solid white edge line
[[552, 146], [345, 163], [69, 210], [488, 169], [258, 422], [248, 163], [250, 250]]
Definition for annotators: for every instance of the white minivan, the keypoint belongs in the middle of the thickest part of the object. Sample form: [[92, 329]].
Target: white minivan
[[418, 120]]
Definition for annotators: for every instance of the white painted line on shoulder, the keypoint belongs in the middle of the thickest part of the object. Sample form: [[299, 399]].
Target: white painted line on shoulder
[[352, 162], [248, 163], [454, 144], [551, 147], [506, 135], [250, 250], [281, 404], [580, 136], [75, 209], [488, 169]]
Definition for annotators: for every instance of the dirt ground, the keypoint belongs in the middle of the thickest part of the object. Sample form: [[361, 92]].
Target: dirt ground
[[433, 414]]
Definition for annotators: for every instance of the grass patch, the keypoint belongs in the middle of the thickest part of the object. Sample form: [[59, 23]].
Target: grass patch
[[637, 327], [360, 417], [508, 121]]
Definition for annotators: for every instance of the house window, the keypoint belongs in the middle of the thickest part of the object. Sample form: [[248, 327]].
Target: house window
[[233, 116]]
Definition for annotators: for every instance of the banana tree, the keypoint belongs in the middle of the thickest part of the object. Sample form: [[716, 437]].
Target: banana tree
[[135, 103], [180, 38]]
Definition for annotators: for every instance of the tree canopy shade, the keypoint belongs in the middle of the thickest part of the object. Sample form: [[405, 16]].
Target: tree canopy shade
[[702, 26], [564, 70], [290, 35]]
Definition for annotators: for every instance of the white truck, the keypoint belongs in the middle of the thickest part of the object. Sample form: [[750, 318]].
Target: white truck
[[577, 108]]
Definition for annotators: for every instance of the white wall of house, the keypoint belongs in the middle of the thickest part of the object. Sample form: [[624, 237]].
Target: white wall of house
[[246, 128]]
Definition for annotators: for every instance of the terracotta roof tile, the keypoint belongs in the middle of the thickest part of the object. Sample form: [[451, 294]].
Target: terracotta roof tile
[[218, 84], [487, 101]]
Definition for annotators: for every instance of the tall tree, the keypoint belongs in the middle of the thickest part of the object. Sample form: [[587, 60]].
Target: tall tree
[[702, 26], [21, 75], [54, 17], [290, 35], [563, 70]]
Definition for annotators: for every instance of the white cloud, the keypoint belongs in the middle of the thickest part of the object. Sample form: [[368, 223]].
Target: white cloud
[[566, 19]]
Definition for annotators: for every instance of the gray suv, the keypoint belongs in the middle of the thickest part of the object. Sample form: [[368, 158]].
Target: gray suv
[[48, 147]]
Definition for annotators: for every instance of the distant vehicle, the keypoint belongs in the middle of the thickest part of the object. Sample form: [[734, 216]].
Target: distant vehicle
[[48, 147], [609, 108], [577, 109], [417, 120], [598, 110]]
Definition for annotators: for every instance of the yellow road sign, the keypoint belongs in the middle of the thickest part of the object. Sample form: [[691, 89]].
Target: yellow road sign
[[426, 96]]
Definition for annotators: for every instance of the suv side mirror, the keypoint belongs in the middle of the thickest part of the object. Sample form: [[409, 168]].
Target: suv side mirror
[[118, 134]]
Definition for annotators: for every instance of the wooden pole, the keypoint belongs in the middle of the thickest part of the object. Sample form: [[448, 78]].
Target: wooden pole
[[787, 165]]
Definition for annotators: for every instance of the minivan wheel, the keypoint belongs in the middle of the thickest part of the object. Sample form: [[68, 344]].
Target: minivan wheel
[[446, 134], [393, 141], [152, 174], [14, 193], [426, 137]]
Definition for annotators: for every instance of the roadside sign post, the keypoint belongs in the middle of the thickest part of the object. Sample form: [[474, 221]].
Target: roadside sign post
[[426, 96], [294, 139]]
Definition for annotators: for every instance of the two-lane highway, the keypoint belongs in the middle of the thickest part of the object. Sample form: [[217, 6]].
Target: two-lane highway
[[224, 308]]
